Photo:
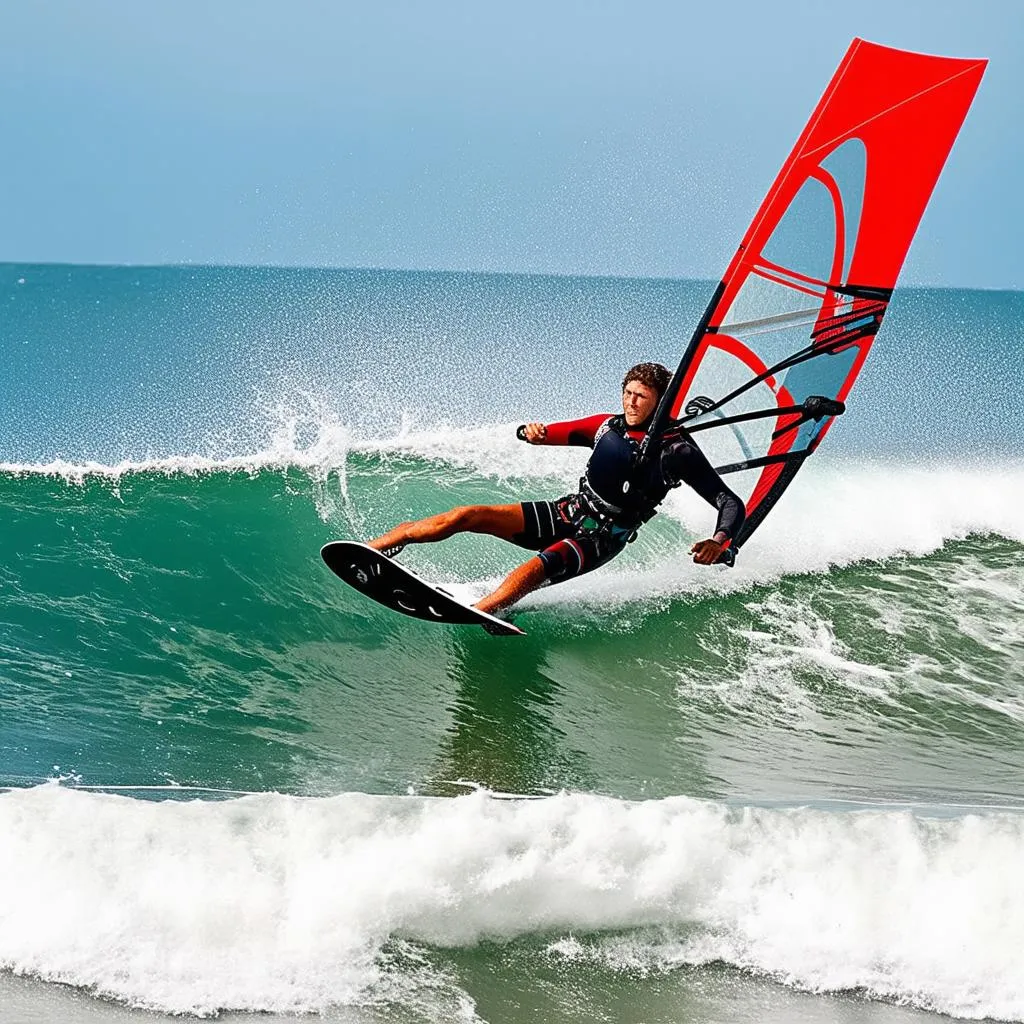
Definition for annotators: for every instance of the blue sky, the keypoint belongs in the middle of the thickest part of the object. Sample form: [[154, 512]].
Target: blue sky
[[617, 138]]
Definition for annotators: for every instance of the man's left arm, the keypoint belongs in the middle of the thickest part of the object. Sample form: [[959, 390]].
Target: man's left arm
[[684, 462]]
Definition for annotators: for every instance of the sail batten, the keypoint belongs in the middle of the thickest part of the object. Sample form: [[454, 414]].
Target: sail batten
[[784, 319]]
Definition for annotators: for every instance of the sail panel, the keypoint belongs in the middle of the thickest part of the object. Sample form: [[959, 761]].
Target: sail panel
[[801, 301]]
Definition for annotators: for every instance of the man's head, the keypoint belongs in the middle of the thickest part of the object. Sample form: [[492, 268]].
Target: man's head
[[642, 386]]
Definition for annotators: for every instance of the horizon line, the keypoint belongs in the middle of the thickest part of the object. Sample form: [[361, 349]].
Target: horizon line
[[172, 265]]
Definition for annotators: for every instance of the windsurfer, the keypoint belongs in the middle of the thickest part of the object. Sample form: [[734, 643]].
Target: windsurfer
[[618, 493]]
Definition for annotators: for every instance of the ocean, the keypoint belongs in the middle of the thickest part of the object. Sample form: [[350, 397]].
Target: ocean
[[788, 792]]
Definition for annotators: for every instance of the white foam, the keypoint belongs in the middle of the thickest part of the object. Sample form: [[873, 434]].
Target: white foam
[[950, 631], [326, 453], [294, 904], [835, 513]]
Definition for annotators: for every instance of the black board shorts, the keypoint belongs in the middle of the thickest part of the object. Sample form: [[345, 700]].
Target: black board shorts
[[565, 548]]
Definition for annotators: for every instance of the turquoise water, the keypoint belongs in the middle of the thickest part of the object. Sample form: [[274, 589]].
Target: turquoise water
[[792, 791]]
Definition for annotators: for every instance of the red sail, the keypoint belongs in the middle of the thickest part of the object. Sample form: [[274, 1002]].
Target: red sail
[[793, 319]]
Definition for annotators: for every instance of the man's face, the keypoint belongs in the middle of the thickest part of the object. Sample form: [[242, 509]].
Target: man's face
[[638, 402]]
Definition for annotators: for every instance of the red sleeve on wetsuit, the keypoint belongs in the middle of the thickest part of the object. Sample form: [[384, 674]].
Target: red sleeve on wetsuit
[[576, 432]]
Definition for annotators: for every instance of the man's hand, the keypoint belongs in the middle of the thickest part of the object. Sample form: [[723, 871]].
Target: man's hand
[[706, 552], [535, 432]]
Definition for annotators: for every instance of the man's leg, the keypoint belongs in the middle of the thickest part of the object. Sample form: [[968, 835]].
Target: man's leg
[[566, 558], [504, 521], [519, 582]]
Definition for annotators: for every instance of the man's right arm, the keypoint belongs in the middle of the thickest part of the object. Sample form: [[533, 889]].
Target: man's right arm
[[572, 432]]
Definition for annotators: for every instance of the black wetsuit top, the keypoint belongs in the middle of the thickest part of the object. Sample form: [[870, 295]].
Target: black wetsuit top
[[617, 488]]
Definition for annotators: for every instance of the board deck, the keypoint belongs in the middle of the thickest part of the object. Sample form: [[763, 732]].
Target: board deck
[[393, 585]]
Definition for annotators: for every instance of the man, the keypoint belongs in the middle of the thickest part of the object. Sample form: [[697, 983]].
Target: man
[[617, 495]]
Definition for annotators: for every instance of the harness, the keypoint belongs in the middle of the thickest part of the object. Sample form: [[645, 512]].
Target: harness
[[597, 515]]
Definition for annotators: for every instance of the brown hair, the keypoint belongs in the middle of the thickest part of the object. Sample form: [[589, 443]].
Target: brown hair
[[651, 375]]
